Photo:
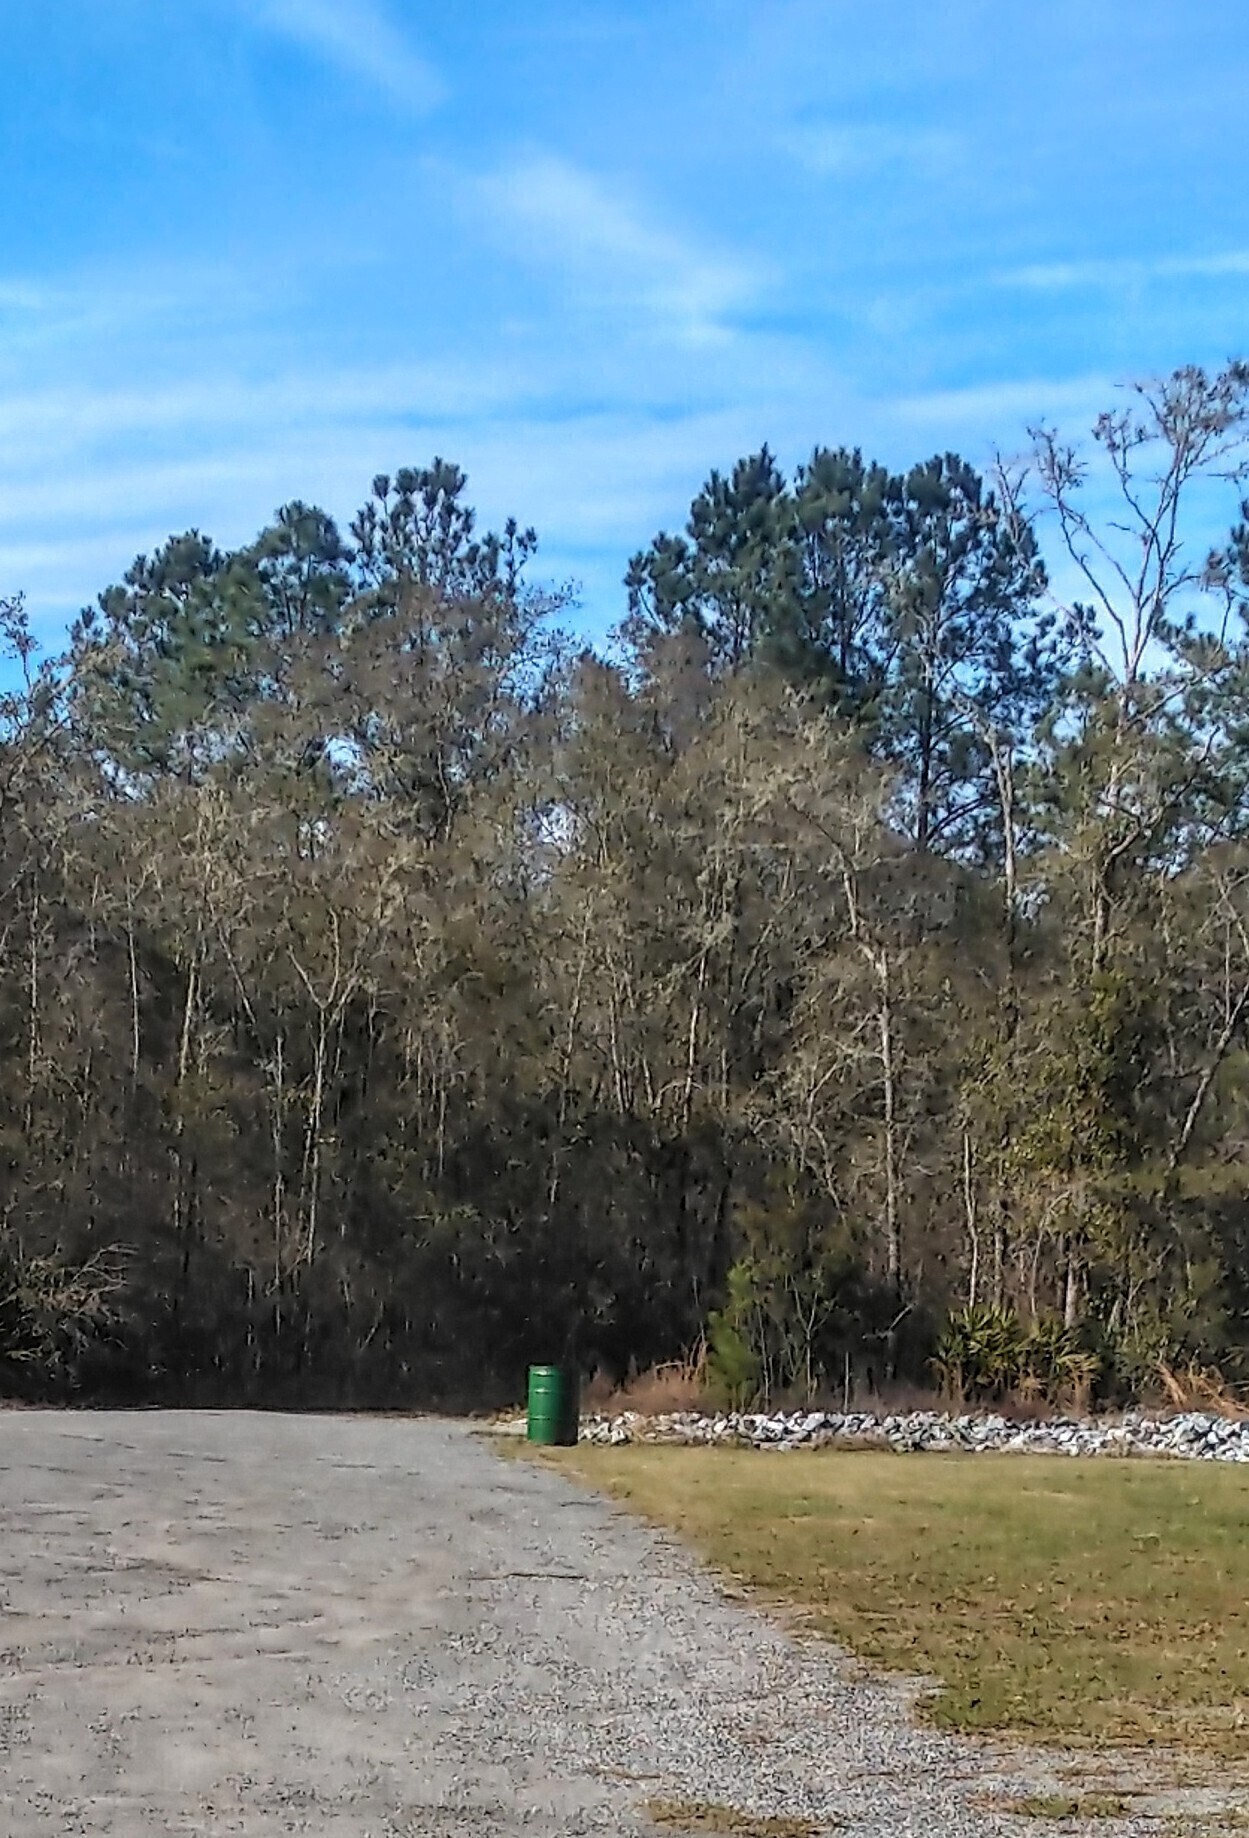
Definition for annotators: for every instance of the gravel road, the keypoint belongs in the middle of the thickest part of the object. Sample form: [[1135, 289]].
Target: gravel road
[[375, 1628]]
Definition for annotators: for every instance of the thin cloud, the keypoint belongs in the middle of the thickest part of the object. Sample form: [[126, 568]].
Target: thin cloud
[[64, 420], [1059, 276], [614, 251], [97, 311], [358, 37], [24, 297], [1005, 406], [843, 150]]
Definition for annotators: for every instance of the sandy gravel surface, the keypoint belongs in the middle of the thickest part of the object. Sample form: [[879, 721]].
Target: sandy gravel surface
[[232, 1623]]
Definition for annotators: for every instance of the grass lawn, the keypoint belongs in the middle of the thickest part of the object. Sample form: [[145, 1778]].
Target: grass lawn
[[1073, 1600]]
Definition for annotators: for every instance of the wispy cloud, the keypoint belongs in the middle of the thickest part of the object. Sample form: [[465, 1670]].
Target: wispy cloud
[[616, 252], [63, 421], [101, 311], [1005, 407], [1058, 276], [358, 36], [833, 149], [24, 297]]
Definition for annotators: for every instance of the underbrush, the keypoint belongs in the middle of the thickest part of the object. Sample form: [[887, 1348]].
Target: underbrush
[[987, 1361], [61, 1322], [678, 1385], [1201, 1388]]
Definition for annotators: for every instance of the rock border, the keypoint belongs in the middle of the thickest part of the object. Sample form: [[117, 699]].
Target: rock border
[[1189, 1435]]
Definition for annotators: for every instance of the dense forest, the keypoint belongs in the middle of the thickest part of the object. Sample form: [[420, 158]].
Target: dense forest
[[848, 969]]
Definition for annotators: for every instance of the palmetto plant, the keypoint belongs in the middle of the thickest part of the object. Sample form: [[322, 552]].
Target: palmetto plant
[[980, 1352], [1056, 1363], [985, 1351]]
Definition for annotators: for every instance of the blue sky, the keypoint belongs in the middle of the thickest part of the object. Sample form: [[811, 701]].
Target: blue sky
[[262, 249]]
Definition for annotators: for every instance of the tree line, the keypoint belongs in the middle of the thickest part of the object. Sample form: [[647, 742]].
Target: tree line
[[846, 967]]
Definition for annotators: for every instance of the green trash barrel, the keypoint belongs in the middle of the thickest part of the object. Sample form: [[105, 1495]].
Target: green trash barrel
[[554, 1406]]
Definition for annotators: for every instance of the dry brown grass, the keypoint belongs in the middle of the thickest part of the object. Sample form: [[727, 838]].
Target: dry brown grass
[[1202, 1388], [679, 1385], [1060, 1805], [709, 1820], [1223, 1824]]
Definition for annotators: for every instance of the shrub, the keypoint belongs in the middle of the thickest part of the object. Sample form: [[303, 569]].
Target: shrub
[[734, 1367], [54, 1315]]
